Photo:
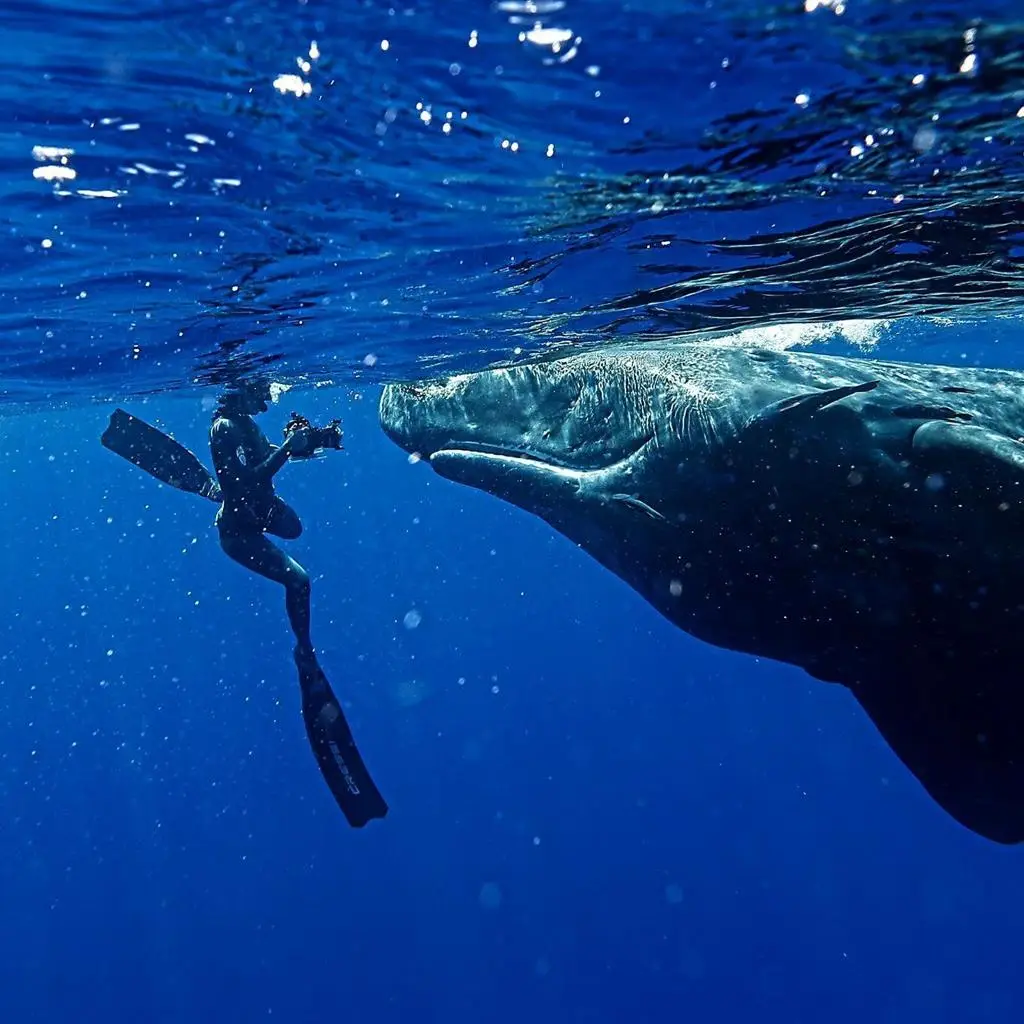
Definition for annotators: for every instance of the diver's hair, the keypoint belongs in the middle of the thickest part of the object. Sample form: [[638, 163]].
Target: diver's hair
[[238, 391]]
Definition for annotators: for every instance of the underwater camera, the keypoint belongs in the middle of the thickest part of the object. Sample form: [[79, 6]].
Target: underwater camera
[[319, 437]]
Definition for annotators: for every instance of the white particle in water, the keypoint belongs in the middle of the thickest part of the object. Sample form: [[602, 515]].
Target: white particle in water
[[924, 139], [412, 619]]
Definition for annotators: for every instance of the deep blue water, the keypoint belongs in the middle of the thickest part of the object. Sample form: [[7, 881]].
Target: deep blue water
[[594, 817]]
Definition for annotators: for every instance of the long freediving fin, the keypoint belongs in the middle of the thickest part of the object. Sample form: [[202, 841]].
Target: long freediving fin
[[159, 455], [335, 750]]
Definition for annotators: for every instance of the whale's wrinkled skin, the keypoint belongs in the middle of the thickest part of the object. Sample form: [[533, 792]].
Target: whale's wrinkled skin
[[859, 519]]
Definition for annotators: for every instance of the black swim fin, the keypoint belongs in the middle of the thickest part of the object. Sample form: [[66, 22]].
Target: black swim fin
[[331, 740], [159, 455]]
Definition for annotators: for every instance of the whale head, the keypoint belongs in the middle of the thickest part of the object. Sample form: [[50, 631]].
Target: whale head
[[547, 437], [611, 451]]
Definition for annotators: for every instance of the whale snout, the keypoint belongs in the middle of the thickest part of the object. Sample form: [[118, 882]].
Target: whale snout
[[414, 417]]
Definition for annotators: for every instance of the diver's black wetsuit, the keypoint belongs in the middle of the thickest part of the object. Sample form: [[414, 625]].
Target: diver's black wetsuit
[[245, 463]]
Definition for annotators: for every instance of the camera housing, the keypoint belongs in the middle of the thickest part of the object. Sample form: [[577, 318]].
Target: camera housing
[[320, 438]]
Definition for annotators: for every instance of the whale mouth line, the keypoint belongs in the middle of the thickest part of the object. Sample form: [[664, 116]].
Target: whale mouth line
[[500, 452], [488, 462]]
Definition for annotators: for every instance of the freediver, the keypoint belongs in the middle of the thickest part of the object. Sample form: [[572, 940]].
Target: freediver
[[246, 463]]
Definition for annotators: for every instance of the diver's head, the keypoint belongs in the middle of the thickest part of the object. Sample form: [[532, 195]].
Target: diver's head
[[246, 397]]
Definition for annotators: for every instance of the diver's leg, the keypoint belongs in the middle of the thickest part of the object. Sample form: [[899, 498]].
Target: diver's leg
[[284, 521], [256, 552]]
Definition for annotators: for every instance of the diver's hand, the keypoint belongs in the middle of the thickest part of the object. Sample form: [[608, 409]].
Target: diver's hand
[[297, 441]]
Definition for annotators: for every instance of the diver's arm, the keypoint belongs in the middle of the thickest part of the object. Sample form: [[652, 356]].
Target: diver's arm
[[224, 444], [268, 468]]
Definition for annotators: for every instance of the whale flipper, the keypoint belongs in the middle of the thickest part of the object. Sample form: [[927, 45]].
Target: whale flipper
[[962, 738], [807, 405], [632, 501]]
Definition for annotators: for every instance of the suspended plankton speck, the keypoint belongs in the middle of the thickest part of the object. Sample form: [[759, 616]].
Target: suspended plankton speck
[[314, 51], [293, 84], [541, 36], [60, 153], [802, 99], [917, 80], [385, 45], [46, 243], [52, 172], [550, 151]]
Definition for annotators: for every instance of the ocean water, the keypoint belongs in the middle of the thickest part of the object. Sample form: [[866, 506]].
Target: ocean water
[[594, 817]]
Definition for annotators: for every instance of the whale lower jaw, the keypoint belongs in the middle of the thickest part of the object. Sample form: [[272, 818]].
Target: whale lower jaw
[[513, 476]]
